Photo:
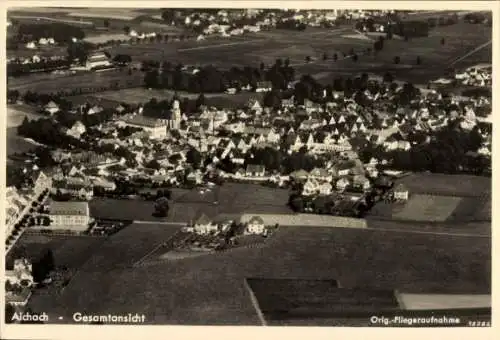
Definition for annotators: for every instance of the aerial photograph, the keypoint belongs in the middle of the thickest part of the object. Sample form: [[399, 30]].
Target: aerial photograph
[[248, 167]]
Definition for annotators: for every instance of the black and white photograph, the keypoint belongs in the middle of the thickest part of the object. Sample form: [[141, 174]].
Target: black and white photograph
[[248, 166]]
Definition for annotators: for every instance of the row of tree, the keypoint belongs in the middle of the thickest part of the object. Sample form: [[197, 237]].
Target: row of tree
[[60, 32], [209, 79], [19, 69]]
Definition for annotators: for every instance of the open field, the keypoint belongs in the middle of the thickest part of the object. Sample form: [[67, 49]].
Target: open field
[[447, 228], [472, 209], [55, 83], [447, 185], [127, 210], [142, 95], [69, 251], [427, 208], [210, 289], [267, 46]]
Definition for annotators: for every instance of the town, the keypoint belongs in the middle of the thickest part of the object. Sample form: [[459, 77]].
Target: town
[[119, 140]]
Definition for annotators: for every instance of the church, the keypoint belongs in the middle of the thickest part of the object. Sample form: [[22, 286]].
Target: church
[[174, 123]]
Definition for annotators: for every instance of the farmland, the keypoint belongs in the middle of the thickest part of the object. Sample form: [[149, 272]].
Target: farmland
[[233, 198], [69, 251], [126, 210], [428, 208], [142, 95], [447, 185], [211, 290], [267, 46]]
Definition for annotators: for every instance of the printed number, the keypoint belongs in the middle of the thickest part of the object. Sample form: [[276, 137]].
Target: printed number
[[479, 324]]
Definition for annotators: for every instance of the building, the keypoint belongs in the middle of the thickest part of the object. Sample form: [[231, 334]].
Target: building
[[174, 123], [97, 60], [254, 170], [401, 192], [74, 216], [156, 128], [203, 225], [51, 108], [255, 226], [21, 273]]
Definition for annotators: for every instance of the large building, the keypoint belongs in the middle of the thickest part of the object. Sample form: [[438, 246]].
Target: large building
[[97, 60], [74, 216], [156, 128]]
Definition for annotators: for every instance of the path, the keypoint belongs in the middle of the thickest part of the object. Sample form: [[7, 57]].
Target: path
[[480, 47], [219, 45]]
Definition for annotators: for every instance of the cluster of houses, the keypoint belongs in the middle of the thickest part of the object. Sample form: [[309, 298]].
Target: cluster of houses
[[479, 75], [222, 135], [203, 225], [41, 42], [18, 283], [19, 202]]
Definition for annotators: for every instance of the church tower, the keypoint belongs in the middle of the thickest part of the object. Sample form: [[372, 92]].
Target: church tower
[[176, 116]]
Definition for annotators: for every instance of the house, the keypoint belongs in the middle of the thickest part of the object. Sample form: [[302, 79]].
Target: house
[[401, 192], [255, 170], [97, 60], [74, 216], [299, 175], [203, 225], [325, 188], [310, 187], [320, 174], [77, 130], [255, 226], [344, 168], [254, 105], [31, 45], [51, 108], [21, 273], [342, 184], [263, 86]]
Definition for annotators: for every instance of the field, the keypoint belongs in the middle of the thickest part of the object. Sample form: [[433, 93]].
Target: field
[[233, 198], [428, 208], [126, 210], [447, 185], [142, 95], [54, 83], [69, 251], [211, 290], [251, 49]]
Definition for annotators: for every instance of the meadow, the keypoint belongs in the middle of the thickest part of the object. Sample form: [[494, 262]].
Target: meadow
[[427, 208], [210, 290]]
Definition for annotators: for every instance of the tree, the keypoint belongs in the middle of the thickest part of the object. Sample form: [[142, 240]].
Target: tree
[[397, 60], [194, 158], [200, 101], [161, 207]]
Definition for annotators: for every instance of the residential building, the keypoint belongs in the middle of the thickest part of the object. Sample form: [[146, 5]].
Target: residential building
[[401, 192], [255, 226], [254, 170], [97, 60], [203, 225]]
